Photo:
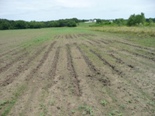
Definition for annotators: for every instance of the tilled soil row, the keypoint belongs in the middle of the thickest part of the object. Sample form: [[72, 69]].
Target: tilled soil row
[[74, 36], [121, 61], [134, 45], [90, 43], [3, 54], [45, 56], [105, 80], [13, 51], [52, 71], [86, 35], [33, 72], [95, 41], [140, 55], [136, 87], [20, 69], [107, 63], [104, 42], [88, 62], [146, 52], [133, 53], [73, 72], [69, 36], [19, 51], [7, 66], [57, 36]]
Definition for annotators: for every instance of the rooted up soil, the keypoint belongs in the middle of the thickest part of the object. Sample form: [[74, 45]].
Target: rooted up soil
[[77, 74]]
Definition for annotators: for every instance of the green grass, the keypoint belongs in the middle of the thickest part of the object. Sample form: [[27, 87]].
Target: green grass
[[86, 110], [115, 113], [103, 102]]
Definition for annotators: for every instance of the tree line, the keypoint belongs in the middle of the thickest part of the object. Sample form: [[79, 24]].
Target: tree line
[[133, 20], [20, 24]]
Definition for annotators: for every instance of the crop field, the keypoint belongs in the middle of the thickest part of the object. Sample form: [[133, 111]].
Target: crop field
[[76, 72]]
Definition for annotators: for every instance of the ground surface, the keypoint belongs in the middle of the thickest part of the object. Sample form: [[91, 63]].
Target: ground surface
[[75, 72]]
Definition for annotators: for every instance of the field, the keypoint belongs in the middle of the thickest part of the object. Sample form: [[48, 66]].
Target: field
[[140, 31], [76, 72]]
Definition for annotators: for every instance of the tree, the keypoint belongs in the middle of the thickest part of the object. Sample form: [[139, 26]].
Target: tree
[[4, 26], [150, 22], [20, 24], [136, 20], [98, 21], [71, 23], [119, 22]]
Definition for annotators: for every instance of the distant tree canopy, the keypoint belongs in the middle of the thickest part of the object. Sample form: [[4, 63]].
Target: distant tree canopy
[[120, 21], [133, 20], [20, 24], [136, 20]]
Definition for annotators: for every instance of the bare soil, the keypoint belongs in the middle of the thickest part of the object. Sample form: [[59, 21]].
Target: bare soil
[[77, 74]]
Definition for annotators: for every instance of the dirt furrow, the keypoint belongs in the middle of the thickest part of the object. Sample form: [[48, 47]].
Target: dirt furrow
[[67, 36], [45, 56], [3, 54], [104, 79], [89, 42], [88, 62], [8, 65], [71, 68], [34, 89], [118, 60], [52, 71], [135, 87], [107, 63], [74, 36], [20, 69], [57, 36], [19, 51], [137, 46], [104, 42], [95, 41], [140, 55]]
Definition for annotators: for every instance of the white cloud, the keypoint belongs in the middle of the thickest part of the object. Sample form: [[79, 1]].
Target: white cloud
[[56, 9], [75, 3]]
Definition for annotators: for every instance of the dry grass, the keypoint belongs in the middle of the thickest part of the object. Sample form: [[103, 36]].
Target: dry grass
[[144, 31]]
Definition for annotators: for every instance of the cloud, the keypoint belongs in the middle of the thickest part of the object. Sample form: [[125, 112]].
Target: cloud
[[75, 3], [56, 9]]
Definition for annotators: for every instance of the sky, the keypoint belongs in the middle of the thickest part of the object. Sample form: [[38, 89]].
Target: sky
[[45, 10]]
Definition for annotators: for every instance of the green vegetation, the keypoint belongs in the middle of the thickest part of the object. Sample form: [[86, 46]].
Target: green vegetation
[[133, 20], [136, 20], [103, 102], [3, 103], [44, 110], [115, 113], [20, 24], [86, 110]]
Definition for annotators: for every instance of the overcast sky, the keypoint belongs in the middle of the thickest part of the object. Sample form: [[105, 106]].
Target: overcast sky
[[44, 10]]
